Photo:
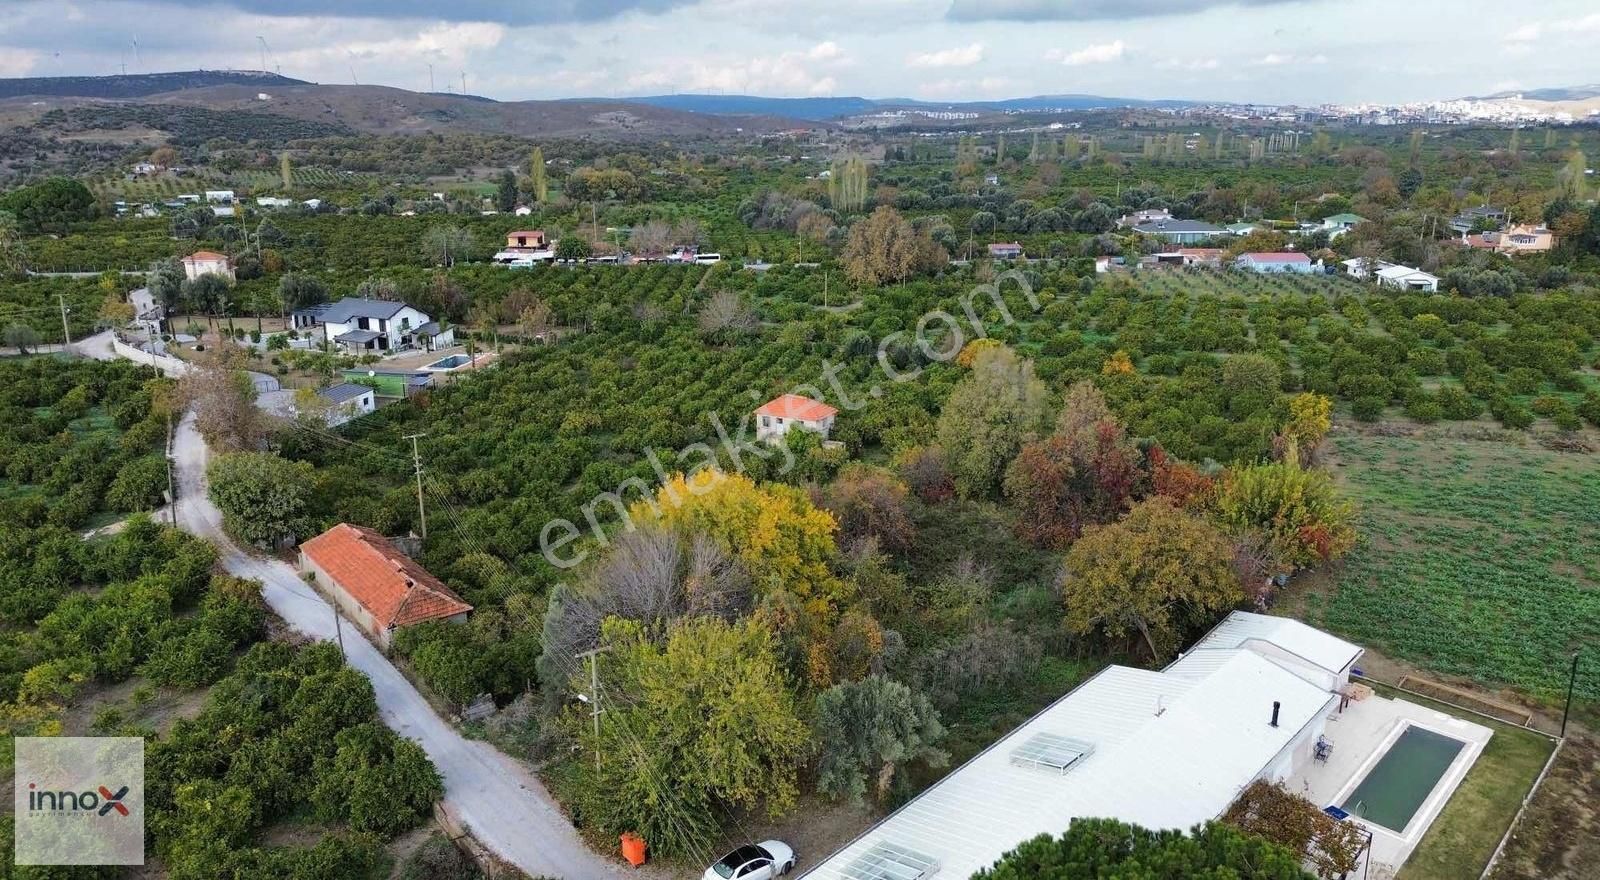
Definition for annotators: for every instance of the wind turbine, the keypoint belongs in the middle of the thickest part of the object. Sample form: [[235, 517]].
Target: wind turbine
[[137, 63], [463, 82], [263, 41], [430, 76]]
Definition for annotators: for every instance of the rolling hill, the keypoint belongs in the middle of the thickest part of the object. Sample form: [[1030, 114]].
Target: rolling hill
[[136, 85]]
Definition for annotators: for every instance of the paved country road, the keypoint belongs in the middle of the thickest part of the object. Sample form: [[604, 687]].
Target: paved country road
[[504, 806]]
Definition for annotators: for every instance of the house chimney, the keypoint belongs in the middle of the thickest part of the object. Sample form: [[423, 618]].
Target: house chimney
[[1275, 706]]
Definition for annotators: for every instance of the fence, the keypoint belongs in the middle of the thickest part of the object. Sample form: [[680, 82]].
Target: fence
[[169, 366]]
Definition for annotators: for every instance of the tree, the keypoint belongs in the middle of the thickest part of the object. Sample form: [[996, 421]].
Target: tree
[[872, 727], [1310, 417], [1333, 847], [870, 503], [13, 251], [785, 542], [571, 247], [698, 719], [297, 291], [165, 283], [993, 411], [535, 320], [139, 484], [224, 403], [263, 498], [1151, 574], [536, 176], [505, 194], [1114, 850], [1300, 511], [50, 205], [21, 337], [164, 156], [207, 294], [725, 318], [884, 247], [375, 781], [446, 245], [650, 237]]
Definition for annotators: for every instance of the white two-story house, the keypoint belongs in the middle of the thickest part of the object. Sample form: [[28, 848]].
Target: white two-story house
[[373, 325]]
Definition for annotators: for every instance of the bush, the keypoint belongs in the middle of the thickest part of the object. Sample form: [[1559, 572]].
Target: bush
[[1524, 380], [138, 485], [1367, 409], [1424, 408], [1510, 413], [1457, 405]]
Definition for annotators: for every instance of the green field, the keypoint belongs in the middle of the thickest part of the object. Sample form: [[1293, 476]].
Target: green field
[[1480, 559]]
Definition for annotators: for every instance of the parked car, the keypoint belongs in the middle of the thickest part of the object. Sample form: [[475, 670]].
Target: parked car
[[754, 861]]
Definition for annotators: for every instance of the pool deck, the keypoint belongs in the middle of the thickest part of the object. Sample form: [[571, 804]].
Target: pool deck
[[1361, 735]]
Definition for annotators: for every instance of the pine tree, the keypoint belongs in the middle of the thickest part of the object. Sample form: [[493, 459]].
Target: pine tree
[[539, 185]]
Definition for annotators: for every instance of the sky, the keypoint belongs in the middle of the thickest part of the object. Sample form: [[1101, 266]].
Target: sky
[[1264, 51]]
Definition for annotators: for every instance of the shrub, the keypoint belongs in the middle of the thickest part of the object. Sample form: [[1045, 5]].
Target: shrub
[[1367, 409], [1424, 408], [1457, 405]]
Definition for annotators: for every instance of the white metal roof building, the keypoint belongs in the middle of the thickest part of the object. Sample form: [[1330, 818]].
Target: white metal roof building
[[1164, 749]]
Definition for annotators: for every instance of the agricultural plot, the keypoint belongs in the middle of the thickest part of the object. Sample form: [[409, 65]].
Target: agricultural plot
[[1479, 559]]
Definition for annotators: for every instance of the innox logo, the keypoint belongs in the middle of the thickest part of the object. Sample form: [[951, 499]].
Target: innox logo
[[101, 802]]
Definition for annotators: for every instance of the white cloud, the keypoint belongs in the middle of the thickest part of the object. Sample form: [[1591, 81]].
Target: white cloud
[[1585, 25], [1278, 59], [826, 51], [1100, 53], [787, 73], [1189, 64], [961, 56], [1525, 34], [18, 62]]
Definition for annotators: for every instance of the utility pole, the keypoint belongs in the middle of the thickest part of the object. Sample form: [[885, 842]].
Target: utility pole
[[1570, 682], [416, 461], [172, 494], [338, 627], [593, 656], [65, 332]]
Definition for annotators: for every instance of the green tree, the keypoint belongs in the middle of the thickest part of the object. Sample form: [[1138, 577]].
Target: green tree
[[537, 181], [993, 411], [1113, 850], [447, 245], [1299, 510], [1151, 574], [52, 204], [375, 781], [13, 251], [138, 485], [869, 728], [696, 721], [21, 337], [505, 193], [571, 247], [165, 280], [263, 498]]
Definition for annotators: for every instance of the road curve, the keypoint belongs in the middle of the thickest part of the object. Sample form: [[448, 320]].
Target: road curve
[[504, 806]]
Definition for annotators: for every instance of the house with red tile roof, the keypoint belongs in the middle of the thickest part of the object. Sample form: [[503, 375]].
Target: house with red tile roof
[[777, 416], [374, 584], [207, 263]]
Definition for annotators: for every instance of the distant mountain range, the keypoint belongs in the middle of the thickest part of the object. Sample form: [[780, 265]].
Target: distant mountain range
[[819, 109], [1569, 93], [136, 85]]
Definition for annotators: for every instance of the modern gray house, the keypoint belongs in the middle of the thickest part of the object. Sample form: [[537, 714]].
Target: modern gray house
[[1181, 231], [374, 325]]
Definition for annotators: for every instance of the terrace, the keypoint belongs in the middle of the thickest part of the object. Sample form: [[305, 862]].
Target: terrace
[[1406, 791]]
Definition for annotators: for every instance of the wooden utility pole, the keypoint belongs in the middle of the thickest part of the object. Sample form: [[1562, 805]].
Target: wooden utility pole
[[338, 627], [172, 494], [593, 656], [65, 332], [416, 461]]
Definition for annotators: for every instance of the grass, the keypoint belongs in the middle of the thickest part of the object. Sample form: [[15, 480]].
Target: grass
[[1460, 842], [1479, 560]]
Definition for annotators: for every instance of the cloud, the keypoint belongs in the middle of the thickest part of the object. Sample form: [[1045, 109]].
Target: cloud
[[1189, 64], [961, 56], [1587, 24], [497, 11], [1100, 53], [787, 73], [1525, 34], [1085, 10], [1278, 59]]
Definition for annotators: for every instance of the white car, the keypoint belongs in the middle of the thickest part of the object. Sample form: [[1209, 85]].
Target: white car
[[754, 861]]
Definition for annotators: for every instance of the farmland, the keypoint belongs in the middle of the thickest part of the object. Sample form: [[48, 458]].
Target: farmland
[[1481, 559]]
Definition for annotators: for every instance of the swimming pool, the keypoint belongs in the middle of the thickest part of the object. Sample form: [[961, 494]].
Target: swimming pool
[[1396, 787], [449, 363]]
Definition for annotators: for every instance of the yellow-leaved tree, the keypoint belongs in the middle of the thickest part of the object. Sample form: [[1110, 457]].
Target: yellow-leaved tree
[[785, 541]]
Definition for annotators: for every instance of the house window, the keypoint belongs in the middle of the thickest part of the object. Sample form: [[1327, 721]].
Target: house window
[[766, 421], [780, 421]]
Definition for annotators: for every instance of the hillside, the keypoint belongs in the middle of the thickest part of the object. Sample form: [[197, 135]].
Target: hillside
[[136, 85]]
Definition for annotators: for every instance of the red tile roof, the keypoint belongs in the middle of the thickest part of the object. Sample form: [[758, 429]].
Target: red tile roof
[[393, 588], [201, 256], [793, 406]]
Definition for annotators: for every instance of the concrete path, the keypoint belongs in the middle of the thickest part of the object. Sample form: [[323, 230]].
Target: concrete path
[[504, 806]]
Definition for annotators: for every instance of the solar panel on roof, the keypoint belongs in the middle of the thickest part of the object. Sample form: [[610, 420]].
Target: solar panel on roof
[[1049, 751], [888, 861]]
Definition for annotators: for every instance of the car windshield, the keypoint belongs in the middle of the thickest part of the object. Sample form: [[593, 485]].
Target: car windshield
[[736, 859]]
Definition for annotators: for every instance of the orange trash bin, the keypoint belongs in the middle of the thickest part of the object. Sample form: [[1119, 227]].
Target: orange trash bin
[[633, 849]]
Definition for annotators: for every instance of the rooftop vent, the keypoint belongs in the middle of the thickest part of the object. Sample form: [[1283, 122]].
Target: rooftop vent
[[1049, 751], [888, 861]]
